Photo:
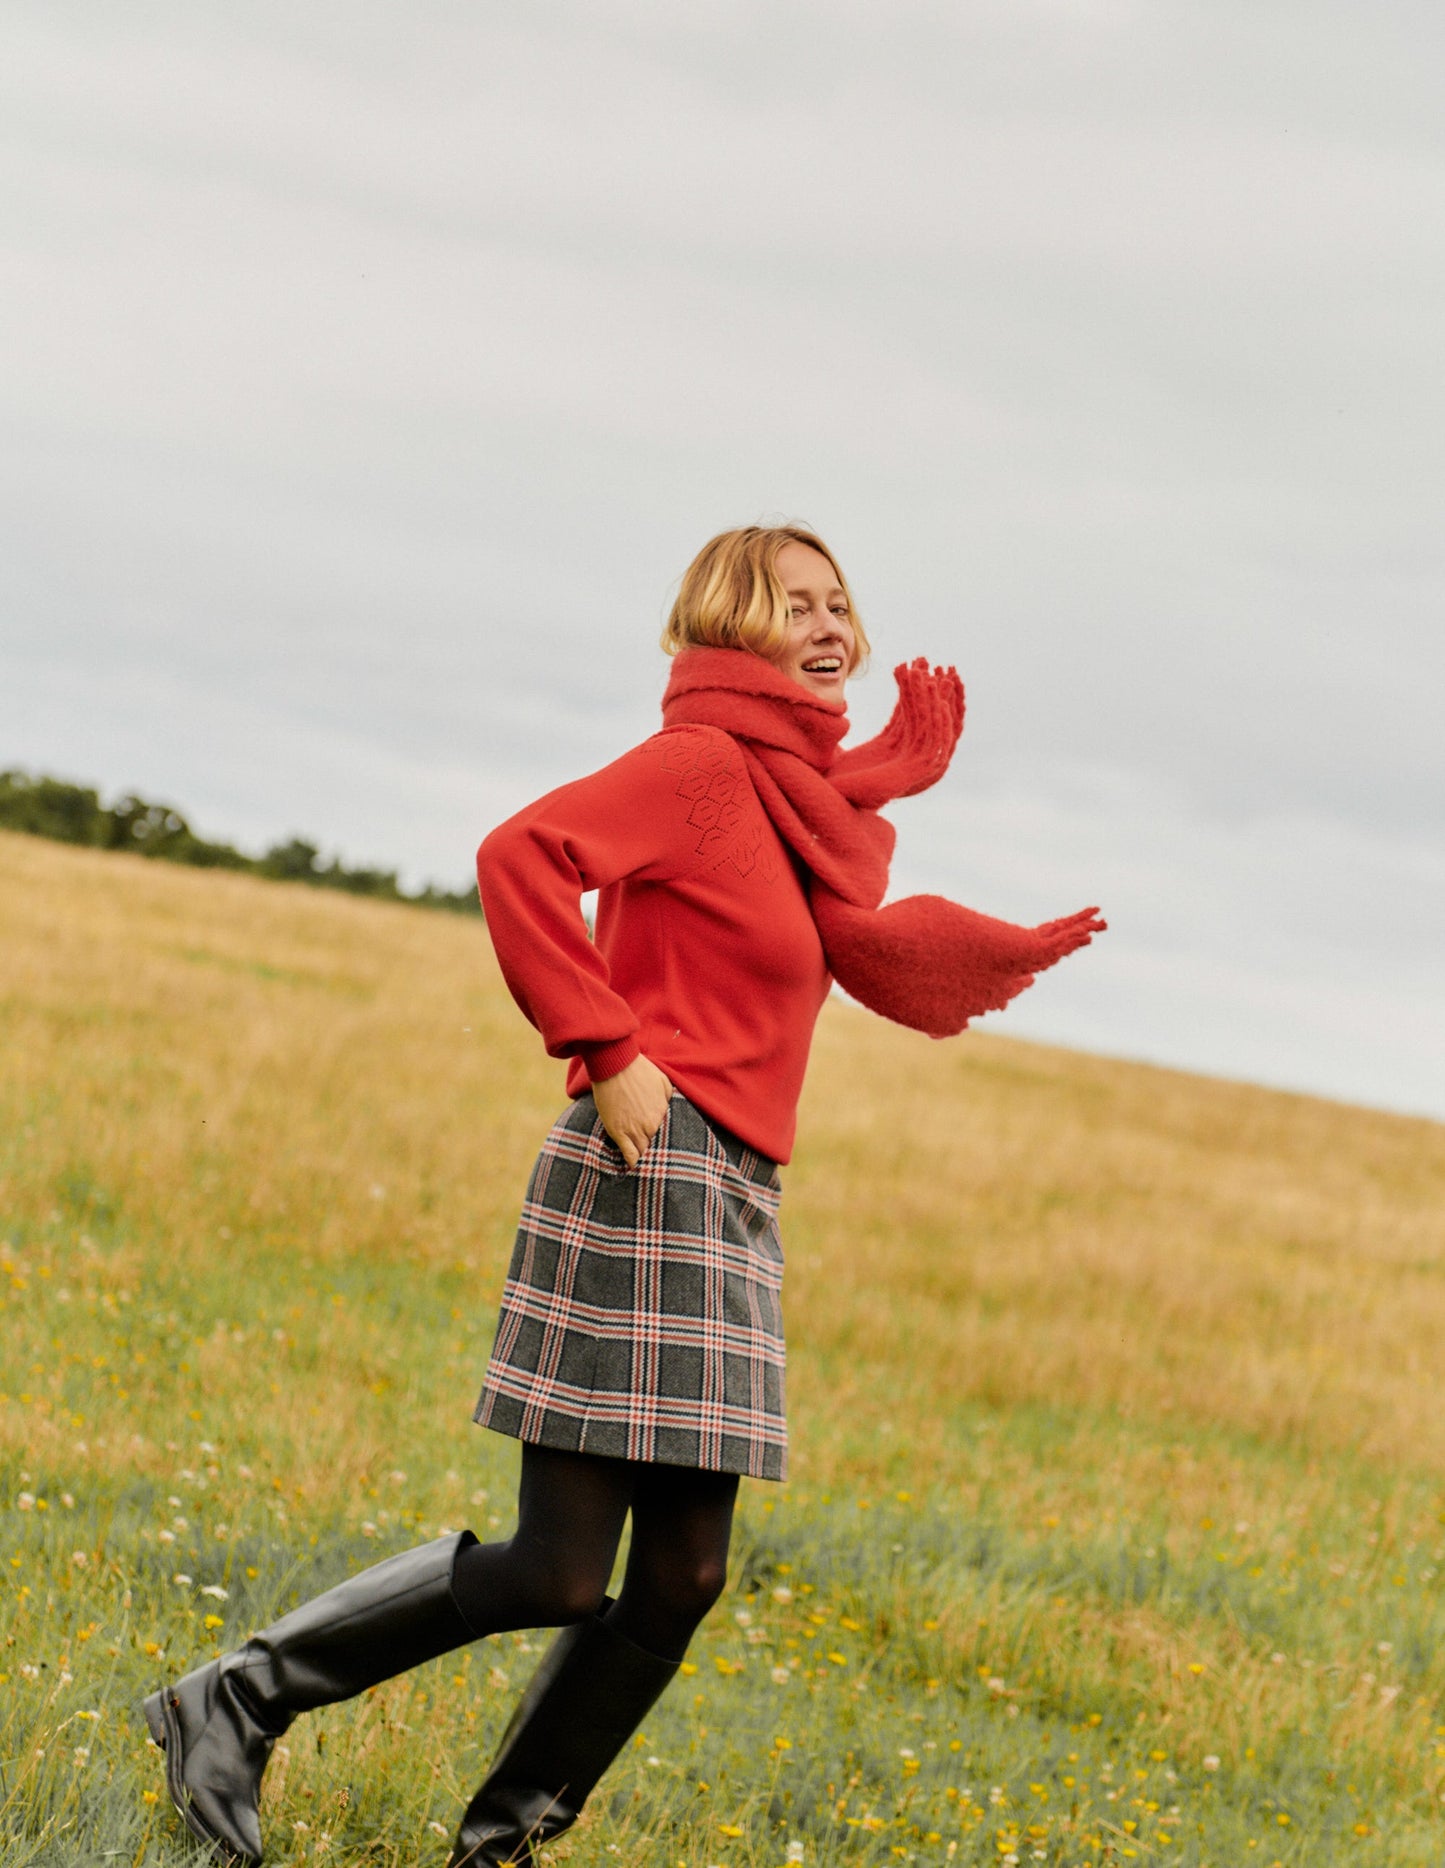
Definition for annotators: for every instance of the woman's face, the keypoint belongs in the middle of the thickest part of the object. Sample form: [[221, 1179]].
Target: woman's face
[[821, 644]]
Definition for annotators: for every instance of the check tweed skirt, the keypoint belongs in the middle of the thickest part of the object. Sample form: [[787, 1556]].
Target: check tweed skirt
[[641, 1317]]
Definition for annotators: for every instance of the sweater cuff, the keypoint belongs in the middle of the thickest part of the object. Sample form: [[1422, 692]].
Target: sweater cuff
[[605, 1060]]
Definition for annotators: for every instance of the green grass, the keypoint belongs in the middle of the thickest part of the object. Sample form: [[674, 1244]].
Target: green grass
[[945, 1681]]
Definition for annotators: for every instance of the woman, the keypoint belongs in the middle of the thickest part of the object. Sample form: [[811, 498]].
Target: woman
[[740, 862]]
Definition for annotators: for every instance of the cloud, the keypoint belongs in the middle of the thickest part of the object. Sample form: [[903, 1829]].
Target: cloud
[[368, 379], [1294, 951]]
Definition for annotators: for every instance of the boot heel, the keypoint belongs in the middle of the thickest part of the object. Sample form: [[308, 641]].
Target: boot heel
[[155, 1718]]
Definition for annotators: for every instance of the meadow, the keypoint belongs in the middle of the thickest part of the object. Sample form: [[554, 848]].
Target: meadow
[[1116, 1527]]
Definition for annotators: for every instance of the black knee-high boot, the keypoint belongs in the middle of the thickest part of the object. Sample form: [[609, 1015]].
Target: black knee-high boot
[[218, 1724], [590, 1694]]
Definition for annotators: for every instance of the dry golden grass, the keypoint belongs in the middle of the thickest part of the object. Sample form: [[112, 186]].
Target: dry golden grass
[[982, 1218], [1155, 1334], [1075, 1231]]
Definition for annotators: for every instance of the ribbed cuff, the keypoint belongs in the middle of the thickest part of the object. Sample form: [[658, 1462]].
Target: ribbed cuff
[[605, 1060]]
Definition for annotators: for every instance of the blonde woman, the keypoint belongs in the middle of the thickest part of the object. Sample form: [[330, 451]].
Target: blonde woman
[[740, 861]]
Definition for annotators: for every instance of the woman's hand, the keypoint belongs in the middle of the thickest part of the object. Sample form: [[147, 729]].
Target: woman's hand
[[632, 1105]]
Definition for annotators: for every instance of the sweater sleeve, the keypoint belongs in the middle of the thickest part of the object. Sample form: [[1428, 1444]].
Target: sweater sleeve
[[667, 807]]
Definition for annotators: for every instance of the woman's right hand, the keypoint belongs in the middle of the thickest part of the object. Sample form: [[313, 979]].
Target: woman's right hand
[[632, 1105]]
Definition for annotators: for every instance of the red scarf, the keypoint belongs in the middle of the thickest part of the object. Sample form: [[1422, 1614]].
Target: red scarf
[[923, 961]]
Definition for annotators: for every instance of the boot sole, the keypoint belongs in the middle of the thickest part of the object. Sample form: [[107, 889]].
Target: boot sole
[[165, 1729]]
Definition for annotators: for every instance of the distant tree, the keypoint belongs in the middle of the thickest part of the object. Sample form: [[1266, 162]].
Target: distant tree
[[160, 830], [295, 861], [66, 813], [48, 807], [458, 901], [381, 883]]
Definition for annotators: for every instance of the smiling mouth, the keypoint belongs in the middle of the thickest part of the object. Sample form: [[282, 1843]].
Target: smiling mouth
[[824, 665]]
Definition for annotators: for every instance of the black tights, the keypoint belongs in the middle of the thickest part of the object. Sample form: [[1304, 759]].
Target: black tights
[[555, 1568]]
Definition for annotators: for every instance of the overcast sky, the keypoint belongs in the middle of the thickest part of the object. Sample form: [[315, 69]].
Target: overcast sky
[[369, 373]]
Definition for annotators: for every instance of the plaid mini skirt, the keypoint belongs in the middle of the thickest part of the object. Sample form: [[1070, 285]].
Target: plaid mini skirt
[[641, 1317]]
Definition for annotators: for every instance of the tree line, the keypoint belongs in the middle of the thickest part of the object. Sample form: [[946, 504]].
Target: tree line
[[52, 807]]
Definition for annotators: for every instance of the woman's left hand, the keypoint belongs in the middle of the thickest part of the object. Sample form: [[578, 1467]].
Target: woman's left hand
[[632, 1105]]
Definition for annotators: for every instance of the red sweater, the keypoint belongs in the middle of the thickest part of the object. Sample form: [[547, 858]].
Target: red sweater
[[706, 956]]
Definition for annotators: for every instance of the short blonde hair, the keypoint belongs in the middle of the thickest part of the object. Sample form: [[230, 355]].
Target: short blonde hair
[[732, 598]]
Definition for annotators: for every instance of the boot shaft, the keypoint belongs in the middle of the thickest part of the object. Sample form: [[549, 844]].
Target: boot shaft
[[591, 1692], [375, 1625]]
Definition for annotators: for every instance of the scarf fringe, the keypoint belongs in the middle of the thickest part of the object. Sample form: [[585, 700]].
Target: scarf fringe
[[933, 964]]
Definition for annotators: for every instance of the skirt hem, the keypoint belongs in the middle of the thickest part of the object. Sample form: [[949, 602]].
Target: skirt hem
[[568, 1433]]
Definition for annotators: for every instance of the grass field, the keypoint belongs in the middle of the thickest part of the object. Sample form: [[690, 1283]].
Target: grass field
[[1117, 1524]]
